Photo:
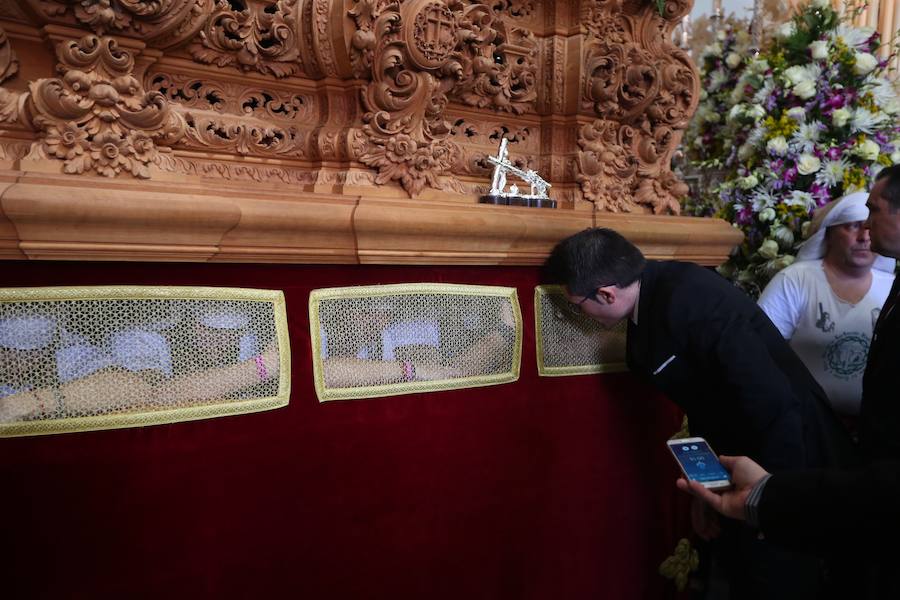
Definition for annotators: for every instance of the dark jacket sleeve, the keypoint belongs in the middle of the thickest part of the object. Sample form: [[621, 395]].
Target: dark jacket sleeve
[[833, 512], [758, 401]]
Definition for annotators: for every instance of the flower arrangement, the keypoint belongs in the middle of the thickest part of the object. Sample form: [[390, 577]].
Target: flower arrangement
[[808, 120], [722, 62]]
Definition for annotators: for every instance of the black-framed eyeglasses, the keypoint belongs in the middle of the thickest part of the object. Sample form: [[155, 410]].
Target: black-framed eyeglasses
[[575, 307]]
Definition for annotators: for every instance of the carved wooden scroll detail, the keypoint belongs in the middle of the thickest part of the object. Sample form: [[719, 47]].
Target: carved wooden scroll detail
[[97, 117], [238, 119], [409, 48], [167, 22], [419, 55], [252, 35], [402, 92], [9, 66], [498, 62], [643, 90]]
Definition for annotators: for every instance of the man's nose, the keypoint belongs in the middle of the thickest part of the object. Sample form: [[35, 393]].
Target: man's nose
[[863, 234]]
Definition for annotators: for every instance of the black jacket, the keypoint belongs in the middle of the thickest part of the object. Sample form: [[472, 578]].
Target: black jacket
[[879, 418], [739, 382], [834, 512]]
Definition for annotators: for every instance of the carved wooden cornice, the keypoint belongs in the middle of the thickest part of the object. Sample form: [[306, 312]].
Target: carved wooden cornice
[[178, 220], [391, 101]]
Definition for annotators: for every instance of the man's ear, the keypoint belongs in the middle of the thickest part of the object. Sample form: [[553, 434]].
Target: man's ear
[[607, 294]]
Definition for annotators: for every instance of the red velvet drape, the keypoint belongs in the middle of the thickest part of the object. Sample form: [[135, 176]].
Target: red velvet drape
[[544, 488]]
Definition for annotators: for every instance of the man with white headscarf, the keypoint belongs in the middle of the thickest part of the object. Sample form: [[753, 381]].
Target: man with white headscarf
[[827, 302]]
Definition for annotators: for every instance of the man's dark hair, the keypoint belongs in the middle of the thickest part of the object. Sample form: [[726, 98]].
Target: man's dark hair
[[891, 191], [594, 258]]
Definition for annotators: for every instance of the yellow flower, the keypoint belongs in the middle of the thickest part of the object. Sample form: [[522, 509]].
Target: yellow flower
[[679, 566]]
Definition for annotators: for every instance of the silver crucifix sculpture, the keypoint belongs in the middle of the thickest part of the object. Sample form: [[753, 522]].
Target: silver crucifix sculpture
[[500, 195]]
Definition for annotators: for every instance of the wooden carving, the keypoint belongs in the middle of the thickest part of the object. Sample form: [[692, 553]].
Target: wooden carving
[[251, 35], [166, 21], [643, 90], [498, 62], [411, 94], [9, 65], [97, 117], [421, 55]]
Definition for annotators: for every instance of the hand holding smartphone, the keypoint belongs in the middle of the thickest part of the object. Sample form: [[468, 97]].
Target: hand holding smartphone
[[699, 463]]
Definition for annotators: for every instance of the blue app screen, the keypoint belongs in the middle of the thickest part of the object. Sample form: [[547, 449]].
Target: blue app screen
[[699, 462]]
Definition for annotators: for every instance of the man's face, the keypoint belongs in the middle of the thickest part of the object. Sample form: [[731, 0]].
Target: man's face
[[883, 223], [599, 308], [849, 245]]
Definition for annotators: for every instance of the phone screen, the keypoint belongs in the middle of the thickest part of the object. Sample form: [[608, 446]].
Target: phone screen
[[699, 462]]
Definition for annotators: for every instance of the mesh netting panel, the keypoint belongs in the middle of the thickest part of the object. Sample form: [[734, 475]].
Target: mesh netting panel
[[93, 358], [569, 343], [399, 339]]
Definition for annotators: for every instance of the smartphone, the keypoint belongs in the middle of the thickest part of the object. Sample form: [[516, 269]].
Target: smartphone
[[699, 463]]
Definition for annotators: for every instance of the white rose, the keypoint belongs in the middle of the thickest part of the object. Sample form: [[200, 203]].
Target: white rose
[[796, 74], [721, 35], [895, 157], [703, 95], [745, 151], [748, 183], [798, 113], [759, 66], [735, 111], [713, 117], [840, 117], [769, 249], [786, 30], [805, 89], [865, 63], [784, 236], [808, 164], [766, 214], [713, 50], [756, 111], [777, 146], [868, 150], [819, 50], [733, 60]]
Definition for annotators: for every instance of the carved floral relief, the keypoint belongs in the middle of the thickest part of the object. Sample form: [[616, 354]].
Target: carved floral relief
[[9, 66], [97, 116], [251, 35], [411, 92], [643, 90], [420, 55], [167, 21]]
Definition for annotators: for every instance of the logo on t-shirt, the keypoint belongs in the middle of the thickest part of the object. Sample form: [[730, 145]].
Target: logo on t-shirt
[[845, 356], [824, 321]]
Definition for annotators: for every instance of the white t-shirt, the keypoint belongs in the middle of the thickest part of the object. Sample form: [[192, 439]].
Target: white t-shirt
[[829, 335]]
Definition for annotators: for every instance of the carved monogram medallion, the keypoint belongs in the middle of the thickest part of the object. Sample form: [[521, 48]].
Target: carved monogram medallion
[[433, 35]]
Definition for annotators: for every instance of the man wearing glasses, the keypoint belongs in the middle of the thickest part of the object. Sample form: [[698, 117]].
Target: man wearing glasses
[[710, 349]]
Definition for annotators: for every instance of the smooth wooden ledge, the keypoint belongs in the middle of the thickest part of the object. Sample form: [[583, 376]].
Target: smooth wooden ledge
[[60, 217]]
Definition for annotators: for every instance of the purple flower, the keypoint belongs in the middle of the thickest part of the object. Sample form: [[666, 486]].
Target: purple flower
[[790, 175], [834, 153], [836, 101]]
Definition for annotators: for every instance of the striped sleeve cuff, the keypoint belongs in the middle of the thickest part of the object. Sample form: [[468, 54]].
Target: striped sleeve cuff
[[751, 504]]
